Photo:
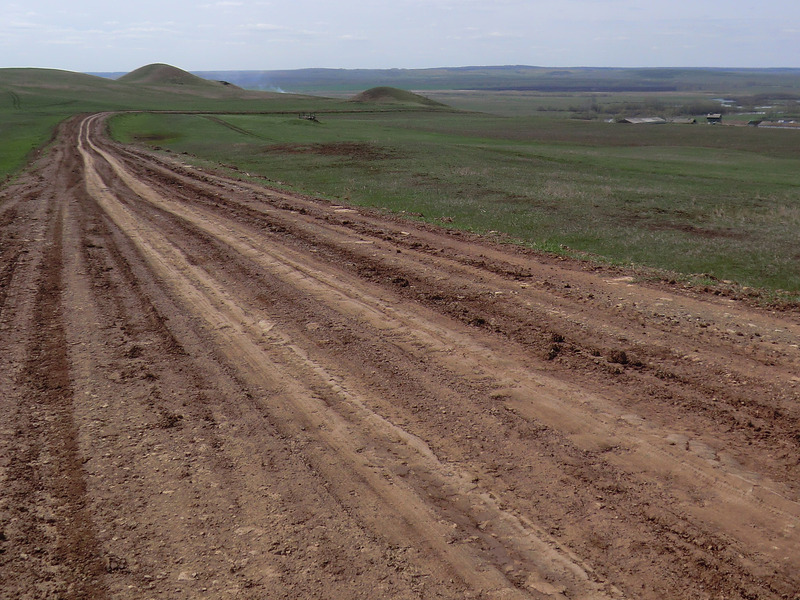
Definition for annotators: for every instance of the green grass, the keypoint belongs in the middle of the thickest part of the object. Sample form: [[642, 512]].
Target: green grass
[[21, 135], [693, 199], [34, 101], [719, 202]]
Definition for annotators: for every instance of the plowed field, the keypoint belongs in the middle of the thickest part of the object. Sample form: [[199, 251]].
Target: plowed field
[[211, 389]]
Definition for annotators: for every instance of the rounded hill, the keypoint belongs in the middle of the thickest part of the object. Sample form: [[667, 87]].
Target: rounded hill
[[161, 74], [391, 95]]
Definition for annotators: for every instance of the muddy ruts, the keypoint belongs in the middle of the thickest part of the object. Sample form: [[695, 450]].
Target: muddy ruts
[[278, 397], [226, 251], [50, 535]]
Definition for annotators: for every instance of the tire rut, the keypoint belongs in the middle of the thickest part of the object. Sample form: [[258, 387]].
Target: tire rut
[[265, 394], [225, 316], [242, 248], [656, 360], [53, 534]]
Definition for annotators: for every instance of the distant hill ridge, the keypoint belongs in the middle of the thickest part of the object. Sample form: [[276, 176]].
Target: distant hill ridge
[[491, 78], [518, 78]]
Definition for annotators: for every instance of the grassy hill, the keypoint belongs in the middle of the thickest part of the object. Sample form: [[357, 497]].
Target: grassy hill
[[166, 75], [391, 95], [48, 89], [154, 87], [34, 101], [160, 74]]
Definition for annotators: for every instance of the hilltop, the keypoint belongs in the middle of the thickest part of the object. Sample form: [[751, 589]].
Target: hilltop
[[163, 74], [152, 87], [33, 101], [391, 95]]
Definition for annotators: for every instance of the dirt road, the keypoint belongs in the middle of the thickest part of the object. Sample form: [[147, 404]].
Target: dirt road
[[210, 389]]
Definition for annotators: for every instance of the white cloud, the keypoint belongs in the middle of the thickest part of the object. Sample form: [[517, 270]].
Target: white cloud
[[497, 35], [23, 25], [63, 42], [264, 27], [347, 37], [222, 4], [426, 33]]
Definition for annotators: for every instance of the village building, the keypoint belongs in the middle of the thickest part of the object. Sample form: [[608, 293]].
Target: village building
[[642, 120]]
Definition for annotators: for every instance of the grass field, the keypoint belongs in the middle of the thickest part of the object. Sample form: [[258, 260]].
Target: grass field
[[721, 201], [541, 169], [34, 101], [21, 135]]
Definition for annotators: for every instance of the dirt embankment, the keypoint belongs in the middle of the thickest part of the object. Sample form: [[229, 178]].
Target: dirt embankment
[[211, 389]]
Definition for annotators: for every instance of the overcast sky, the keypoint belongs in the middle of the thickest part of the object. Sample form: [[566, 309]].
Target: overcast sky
[[106, 35]]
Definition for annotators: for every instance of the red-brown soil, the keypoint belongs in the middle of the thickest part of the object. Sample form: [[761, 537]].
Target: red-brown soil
[[210, 389]]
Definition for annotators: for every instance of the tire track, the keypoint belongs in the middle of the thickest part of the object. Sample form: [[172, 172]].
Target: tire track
[[53, 524], [301, 274], [557, 325], [263, 395], [15, 101], [408, 330], [240, 334]]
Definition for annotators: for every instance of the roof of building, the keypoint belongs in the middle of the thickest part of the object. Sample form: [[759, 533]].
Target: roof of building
[[643, 120]]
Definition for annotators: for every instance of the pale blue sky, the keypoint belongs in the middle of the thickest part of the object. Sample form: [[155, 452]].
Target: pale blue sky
[[95, 35]]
